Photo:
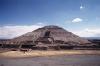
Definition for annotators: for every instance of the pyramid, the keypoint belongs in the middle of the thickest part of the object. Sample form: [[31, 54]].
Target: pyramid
[[51, 35]]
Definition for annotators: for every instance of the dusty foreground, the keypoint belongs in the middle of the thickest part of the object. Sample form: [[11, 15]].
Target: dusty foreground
[[62, 60], [51, 58], [19, 54]]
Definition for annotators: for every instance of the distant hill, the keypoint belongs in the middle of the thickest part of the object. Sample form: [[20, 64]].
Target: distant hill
[[91, 38]]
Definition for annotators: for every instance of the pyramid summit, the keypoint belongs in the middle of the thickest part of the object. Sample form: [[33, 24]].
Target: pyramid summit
[[51, 26]]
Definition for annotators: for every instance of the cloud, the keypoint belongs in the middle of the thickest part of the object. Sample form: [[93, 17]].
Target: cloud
[[39, 23], [77, 20], [81, 7], [14, 31], [88, 32]]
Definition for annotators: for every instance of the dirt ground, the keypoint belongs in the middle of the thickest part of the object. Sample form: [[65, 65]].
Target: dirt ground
[[50, 58], [62, 60], [19, 54]]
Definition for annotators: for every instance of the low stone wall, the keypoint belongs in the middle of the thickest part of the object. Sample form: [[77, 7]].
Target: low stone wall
[[46, 47]]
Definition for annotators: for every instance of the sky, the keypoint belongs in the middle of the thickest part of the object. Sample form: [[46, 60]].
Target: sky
[[82, 17]]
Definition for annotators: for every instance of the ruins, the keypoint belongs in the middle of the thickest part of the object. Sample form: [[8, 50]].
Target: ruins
[[47, 38]]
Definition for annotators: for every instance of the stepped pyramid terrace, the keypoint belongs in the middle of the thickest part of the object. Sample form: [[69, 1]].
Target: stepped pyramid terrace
[[47, 37]]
